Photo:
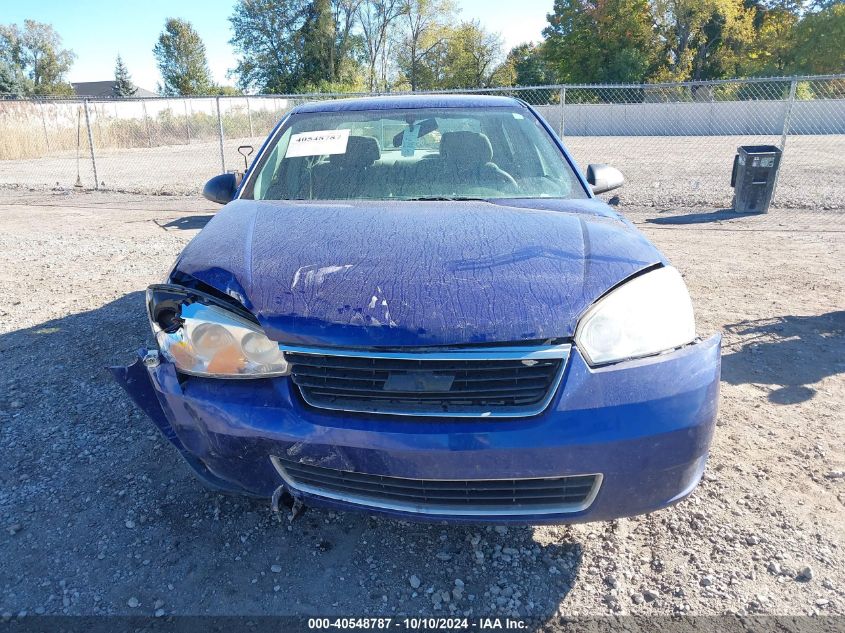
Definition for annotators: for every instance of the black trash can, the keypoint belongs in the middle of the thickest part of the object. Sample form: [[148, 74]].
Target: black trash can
[[753, 177]]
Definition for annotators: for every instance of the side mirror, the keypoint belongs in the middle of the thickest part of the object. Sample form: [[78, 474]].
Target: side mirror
[[221, 189], [604, 177]]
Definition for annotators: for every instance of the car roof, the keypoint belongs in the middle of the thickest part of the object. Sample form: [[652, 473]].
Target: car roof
[[410, 101]]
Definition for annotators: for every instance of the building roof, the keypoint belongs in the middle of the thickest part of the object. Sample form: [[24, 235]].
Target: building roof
[[410, 101], [103, 89]]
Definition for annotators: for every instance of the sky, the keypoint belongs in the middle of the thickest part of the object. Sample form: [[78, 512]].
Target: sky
[[97, 30]]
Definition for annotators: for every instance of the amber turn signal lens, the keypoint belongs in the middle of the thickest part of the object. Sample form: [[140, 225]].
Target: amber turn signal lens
[[228, 360]]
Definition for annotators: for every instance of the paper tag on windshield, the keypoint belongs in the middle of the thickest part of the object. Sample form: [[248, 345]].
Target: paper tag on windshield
[[409, 140], [319, 143]]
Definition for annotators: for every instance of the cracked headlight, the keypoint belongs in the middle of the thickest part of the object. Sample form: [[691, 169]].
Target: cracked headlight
[[204, 338], [647, 315]]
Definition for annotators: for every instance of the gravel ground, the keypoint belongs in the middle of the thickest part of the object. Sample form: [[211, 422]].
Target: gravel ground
[[661, 171], [682, 171], [100, 516]]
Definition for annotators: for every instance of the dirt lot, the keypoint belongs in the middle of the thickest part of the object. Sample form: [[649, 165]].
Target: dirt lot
[[99, 515], [661, 171]]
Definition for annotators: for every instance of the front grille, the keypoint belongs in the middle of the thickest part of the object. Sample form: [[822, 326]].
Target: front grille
[[473, 497], [505, 383]]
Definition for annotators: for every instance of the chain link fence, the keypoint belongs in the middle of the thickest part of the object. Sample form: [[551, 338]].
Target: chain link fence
[[674, 142]]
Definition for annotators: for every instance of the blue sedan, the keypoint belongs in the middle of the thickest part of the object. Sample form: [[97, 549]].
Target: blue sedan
[[416, 306]]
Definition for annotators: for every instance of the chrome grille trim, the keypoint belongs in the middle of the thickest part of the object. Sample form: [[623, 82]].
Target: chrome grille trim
[[513, 352], [469, 354], [418, 507]]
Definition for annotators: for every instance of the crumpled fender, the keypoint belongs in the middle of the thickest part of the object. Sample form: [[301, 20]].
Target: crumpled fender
[[135, 380]]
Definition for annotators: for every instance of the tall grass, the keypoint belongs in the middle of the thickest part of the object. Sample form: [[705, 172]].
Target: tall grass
[[34, 129]]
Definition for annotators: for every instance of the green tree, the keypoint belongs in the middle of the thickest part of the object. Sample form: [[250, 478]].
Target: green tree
[[530, 66], [423, 38], [376, 18], [226, 91], [9, 80], [705, 39], [296, 45], [601, 41], [265, 36], [180, 53], [123, 86], [348, 46], [571, 47], [34, 55], [820, 41], [473, 58], [771, 53], [318, 43]]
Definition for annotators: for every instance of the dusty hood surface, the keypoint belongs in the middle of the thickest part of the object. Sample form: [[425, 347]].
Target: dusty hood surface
[[416, 273]]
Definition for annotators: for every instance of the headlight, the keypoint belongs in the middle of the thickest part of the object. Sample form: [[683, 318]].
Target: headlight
[[649, 314], [203, 338]]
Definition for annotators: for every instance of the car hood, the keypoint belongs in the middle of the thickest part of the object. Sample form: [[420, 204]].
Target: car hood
[[416, 273]]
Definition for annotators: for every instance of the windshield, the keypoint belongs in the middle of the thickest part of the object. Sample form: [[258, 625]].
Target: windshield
[[414, 154]]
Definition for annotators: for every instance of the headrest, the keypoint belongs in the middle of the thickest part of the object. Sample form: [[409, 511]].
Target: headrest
[[361, 151], [466, 148]]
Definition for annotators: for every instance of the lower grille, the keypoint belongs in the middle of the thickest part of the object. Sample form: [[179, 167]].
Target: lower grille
[[471, 497], [473, 382]]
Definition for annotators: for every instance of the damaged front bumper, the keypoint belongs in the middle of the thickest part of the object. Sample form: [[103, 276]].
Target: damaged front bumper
[[644, 427]]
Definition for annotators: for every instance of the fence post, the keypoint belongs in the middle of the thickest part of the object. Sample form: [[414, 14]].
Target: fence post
[[787, 115], [220, 136], [562, 104], [147, 124], [187, 121], [249, 116], [44, 125], [91, 144]]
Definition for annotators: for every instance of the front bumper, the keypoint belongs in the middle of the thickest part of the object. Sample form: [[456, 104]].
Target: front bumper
[[644, 425]]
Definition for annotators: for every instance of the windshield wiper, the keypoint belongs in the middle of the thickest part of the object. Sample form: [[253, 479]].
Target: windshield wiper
[[446, 199]]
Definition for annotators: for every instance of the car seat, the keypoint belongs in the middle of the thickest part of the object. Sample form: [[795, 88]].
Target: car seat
[[346, 175], [467, 162]]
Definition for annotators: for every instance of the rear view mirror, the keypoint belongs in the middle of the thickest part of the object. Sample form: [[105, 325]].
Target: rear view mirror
[[604, 177], [221, 189], [426, 127]]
